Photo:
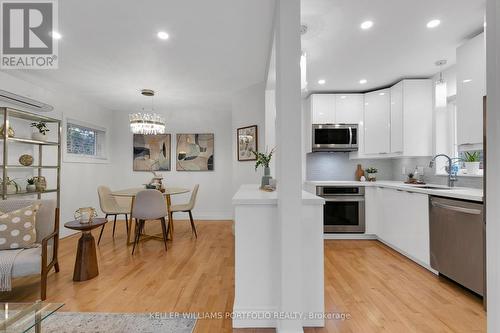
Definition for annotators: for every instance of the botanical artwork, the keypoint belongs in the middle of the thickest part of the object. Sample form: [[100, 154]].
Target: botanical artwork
[[152, 152], [195, 152], [247, 142]]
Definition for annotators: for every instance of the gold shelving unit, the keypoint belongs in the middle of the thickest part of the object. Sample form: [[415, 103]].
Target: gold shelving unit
[[9, 113]]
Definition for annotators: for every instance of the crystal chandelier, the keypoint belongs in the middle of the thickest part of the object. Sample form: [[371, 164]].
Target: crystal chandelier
[[147, 123], [440, 93]]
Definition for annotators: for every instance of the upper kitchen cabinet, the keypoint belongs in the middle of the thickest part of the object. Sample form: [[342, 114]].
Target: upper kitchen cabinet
[[349, 108], [471, 87], [322, 108], [411, 118], [377, 111]]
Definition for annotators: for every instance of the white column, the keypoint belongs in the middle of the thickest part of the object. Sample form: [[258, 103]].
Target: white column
[[493, 165], [289, 162]]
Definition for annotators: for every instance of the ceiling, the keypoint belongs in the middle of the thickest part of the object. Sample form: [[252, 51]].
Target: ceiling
[[399, 45], [109, 51]]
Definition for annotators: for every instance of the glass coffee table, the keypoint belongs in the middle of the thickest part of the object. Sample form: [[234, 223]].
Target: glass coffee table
[[25, 317]]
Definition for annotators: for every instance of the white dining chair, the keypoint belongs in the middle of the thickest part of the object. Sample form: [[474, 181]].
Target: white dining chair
[[188, 207], [149, 205], [110, 207]]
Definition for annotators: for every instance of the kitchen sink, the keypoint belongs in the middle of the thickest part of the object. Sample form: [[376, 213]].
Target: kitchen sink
[[431, 187]]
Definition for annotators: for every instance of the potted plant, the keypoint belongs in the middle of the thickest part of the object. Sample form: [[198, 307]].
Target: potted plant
[[371, 174], [472, 161], [31, 187], [263, 160], [41, 133]]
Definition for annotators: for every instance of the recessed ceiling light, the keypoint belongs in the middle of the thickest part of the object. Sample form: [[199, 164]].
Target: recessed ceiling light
[[55, 35], [433, 24], [466, 80], [363, 81], [162, 35], [343, 97], [382, 94], [366, 25], [321, 81]]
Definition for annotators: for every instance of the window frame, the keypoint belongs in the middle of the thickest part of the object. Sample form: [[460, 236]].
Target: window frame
[[77, 158]]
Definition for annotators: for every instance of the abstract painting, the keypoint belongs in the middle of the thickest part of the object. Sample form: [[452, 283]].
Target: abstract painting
[[195, 152], [247, 142], [152, 152]]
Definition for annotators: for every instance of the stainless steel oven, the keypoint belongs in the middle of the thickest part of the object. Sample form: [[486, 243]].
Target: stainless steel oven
[[335, 137], [344, 210]]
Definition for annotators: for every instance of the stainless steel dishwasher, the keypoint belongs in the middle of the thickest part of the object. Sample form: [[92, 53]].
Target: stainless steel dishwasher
[[457, 241]]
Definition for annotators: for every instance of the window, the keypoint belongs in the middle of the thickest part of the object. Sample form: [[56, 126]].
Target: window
[[84, 142]]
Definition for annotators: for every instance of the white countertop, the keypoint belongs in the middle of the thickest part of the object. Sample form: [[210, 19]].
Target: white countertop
[[464, 193], [250, 194]]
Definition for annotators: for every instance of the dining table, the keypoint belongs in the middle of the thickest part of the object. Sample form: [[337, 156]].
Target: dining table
[[167, 193]]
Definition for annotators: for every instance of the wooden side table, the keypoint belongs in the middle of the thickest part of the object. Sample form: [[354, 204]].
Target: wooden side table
[[86, 267]]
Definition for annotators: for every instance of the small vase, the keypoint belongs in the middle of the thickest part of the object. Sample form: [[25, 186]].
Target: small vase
[[39, 136], [371, 177], [267, 177], [359, 173], [472, 168], [31, 188]]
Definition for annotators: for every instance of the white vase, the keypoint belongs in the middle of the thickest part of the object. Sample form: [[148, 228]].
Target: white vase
[[31, 188], [472, 168], [39, 136]]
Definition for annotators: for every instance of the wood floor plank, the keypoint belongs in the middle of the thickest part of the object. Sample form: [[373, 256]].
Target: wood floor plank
[[379, 289]]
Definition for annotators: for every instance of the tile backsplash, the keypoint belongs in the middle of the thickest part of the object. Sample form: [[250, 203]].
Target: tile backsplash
[[338, 166]]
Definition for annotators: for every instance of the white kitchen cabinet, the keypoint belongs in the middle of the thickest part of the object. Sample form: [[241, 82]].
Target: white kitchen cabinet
[[411, 118], [403, 223], [377, 122], [323, 108], [371, 211], [471, 87], [349, 108]]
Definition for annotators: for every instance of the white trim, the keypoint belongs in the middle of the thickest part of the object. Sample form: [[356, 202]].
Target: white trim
[[350, 236], [72, 158]]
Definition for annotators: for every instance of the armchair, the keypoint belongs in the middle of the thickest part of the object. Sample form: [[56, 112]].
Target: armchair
[[39, 260]]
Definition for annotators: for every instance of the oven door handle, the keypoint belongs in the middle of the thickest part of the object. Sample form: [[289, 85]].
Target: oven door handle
[[345, 199]]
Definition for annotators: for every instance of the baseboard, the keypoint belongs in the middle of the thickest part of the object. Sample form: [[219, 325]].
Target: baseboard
[[350, 236]]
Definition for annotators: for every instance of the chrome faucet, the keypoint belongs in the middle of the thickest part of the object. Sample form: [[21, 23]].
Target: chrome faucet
[[451, 176]]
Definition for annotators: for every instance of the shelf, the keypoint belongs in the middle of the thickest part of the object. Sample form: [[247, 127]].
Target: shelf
[[30, 167], [28, 115], [23, 193], [32, 142]]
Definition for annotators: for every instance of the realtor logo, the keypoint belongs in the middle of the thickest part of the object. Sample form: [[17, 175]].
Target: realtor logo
[[26, 34]]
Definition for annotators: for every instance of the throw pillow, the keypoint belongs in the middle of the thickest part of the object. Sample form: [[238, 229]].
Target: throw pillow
[[17, 228]]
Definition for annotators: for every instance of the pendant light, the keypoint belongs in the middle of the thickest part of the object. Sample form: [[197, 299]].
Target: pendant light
[[441, 94], [147, 123]]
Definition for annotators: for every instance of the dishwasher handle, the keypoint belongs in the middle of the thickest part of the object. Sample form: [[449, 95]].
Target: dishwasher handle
[[456, 208]]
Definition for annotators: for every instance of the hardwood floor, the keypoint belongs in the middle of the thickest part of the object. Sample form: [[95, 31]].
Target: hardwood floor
[[380, 290]]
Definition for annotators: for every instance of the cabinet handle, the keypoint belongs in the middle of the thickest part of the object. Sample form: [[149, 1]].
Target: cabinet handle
[[457, 209], [382, 153]]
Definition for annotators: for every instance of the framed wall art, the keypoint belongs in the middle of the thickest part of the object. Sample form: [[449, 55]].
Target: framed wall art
[[195, 152], [152, 152], [247, 141]]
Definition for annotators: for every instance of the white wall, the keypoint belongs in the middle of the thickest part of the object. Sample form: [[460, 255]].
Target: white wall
[[79, 181], [248, 108], [214, 197]]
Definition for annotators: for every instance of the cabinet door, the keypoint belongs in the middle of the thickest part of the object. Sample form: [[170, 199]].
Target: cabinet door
[[323, 108], [471, 87], [397, 118], [418, 117], [377, 120], [349, 108]]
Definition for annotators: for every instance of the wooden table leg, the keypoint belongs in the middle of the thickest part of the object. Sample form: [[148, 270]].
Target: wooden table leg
[[86, 258], [170, 218]]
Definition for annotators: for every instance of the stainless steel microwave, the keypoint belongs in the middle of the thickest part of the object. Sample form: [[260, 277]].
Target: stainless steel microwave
[[334, 137]]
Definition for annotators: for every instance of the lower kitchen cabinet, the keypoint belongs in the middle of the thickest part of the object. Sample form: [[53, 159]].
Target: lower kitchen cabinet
[[403, 223]]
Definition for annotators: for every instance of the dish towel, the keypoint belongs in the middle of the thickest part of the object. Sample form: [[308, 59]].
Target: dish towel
[[7, 258]]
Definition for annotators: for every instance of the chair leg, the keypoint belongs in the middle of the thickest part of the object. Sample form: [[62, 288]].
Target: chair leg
[[126, 223], [114, 225], [137, 233], [56, 267], [164, 229], [43, 286], [193, 228], [102, 229]]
